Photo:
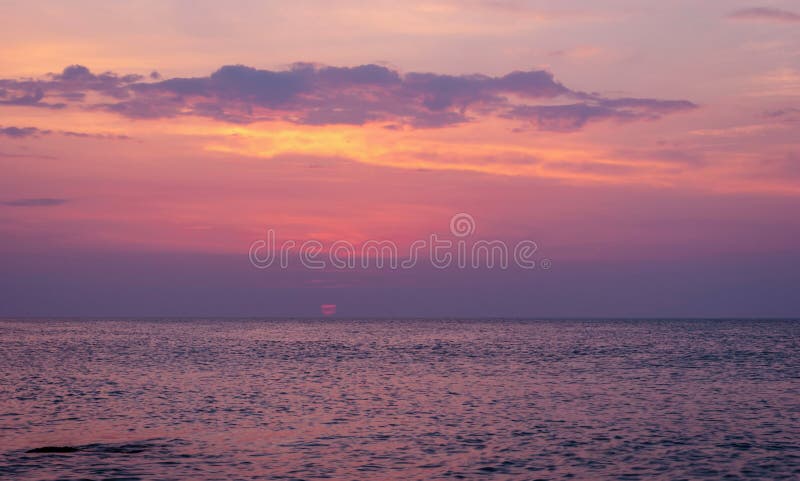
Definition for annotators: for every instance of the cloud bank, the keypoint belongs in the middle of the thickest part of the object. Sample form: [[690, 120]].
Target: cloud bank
[[311, 94]]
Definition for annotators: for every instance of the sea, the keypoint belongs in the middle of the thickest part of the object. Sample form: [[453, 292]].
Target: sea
[[399, 399]]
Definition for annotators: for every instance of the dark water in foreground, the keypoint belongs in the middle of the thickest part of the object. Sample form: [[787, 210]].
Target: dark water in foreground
[[386, 400]]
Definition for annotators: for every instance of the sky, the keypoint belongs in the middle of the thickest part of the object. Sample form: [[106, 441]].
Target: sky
[[649, 150]]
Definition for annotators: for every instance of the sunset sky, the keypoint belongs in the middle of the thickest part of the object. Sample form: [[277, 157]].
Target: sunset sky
[[650, 149]]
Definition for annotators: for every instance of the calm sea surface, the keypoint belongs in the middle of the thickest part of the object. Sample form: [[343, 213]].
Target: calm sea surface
[[391, 400]]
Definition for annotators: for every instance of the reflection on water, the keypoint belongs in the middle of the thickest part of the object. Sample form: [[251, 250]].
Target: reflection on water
[[249, 399]]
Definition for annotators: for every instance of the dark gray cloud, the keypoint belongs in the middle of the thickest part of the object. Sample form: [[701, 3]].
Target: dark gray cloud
[[34, 202], [312, 94], [766, 14]]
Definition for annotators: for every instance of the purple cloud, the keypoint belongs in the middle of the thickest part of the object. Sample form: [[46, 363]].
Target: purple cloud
[[21, 132], [309, 94], [30, 98], [34, 202], [25, 132], [786, 166], [72, 84], [673, 155], [785, 114], [312, 94], [86, 135], [572, 117], [766, 14]]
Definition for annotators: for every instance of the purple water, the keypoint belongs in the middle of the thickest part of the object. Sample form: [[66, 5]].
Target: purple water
[[391, 400]]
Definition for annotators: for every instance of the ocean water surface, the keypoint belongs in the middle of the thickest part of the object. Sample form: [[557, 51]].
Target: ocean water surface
[[200, 399]]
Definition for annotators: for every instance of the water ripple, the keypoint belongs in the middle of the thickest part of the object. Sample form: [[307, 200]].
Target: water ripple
[[399, 400]]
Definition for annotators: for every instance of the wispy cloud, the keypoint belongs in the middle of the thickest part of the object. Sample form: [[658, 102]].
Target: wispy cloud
[[34, 202], [571, 117], [765, 14], [25, 132], [16, 155], [88, 135], [786, 114]]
